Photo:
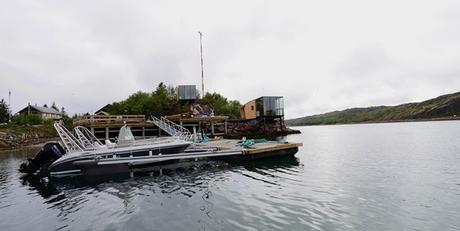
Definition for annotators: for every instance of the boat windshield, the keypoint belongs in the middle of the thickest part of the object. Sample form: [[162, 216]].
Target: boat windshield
[[125, 136]]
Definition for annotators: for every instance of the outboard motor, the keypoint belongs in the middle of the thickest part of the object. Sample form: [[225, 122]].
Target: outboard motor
[[50, 152]]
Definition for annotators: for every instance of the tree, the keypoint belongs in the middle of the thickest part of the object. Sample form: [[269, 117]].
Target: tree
[[221, 105], [63, 112], [161, 101], [4, 112]]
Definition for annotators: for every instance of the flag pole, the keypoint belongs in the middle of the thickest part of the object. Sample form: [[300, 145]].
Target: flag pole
[[202, 73]]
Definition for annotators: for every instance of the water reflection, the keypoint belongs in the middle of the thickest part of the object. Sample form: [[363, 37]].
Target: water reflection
[[181, 180], [356, 177], [121, 195]]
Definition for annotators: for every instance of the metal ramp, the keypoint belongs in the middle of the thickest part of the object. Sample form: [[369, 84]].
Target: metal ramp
[[86, 138], [172, 128], [71, 143]]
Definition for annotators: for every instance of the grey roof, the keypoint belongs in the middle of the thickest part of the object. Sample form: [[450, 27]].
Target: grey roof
[[46, 110], [42, 109]]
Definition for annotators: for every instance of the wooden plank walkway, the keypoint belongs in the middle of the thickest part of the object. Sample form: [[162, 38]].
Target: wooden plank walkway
[[103, 121], [258, 148], [178, 118]]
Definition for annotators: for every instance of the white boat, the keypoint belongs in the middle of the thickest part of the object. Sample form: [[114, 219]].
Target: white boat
[[82, 153], [86, 152]]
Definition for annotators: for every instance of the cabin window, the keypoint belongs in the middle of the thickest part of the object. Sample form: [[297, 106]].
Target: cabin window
[[252, 107]]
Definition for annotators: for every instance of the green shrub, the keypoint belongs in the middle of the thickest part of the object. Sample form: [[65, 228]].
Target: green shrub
[[4, 112], [27, 119]]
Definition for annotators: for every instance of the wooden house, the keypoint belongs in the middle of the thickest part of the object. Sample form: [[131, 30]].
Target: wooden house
[[44, 112], [263, 107]]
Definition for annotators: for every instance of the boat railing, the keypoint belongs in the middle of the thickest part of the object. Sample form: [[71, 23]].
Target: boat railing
[[70, 142], [172, 128], [88, 139]]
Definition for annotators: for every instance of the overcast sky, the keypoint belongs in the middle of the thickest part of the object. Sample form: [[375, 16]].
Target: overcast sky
[[320, 55]]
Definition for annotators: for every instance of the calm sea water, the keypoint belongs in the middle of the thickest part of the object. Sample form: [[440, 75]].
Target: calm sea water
[[399, 176]]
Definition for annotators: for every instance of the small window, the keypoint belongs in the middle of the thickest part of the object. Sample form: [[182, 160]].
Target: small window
[[252, 107]]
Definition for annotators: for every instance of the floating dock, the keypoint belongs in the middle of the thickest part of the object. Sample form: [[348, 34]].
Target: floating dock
[[222, 149], [257, 150]]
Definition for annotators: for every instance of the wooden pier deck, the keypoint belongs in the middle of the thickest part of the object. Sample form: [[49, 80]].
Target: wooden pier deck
[[112, 121], [257, 148], [194, 123], [107, 126]]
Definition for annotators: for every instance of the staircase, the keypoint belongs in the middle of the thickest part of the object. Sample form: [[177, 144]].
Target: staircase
[[172, 128]]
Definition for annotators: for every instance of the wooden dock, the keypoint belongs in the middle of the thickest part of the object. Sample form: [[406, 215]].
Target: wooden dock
[[103, 121], [254, 150], [195, 123], [107, 126], [226, 150]]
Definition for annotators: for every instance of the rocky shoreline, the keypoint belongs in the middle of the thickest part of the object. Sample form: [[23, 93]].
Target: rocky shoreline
[[13, 138], [257, 128]]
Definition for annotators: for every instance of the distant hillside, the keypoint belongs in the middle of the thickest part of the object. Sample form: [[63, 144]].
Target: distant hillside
[[442, 107]]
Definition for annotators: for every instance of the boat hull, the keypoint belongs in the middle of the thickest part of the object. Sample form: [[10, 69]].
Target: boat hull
[[84, 162], [104, 166]]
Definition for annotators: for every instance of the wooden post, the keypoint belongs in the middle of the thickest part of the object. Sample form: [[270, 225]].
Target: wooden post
[[225, 127], [107, 133], [143, 132], [194, 133], [92, 130], [212, 128]]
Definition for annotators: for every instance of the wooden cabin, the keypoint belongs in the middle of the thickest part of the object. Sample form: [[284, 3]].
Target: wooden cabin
[[263, 107]]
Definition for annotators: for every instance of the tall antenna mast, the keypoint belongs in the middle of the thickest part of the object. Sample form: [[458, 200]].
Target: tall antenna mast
[[202, 73]]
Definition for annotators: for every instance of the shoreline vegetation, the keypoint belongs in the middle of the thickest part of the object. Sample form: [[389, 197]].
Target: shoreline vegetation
[[163, 101], [444, 107], [24, 136], [28, 130]]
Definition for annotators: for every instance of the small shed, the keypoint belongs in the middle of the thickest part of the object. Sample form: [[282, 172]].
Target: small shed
[[44, 112], [187, 93]]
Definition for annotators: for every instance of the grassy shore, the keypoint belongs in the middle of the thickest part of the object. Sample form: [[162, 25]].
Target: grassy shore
[[17, 136]]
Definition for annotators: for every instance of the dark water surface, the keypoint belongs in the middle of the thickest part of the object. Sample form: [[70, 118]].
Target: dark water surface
[[399, 176]]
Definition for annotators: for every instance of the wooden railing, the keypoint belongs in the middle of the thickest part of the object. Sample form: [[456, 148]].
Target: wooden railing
[[108, 119]]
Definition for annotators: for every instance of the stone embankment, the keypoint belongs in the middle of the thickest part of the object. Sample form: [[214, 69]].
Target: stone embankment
[[12, 138], [257, 128]]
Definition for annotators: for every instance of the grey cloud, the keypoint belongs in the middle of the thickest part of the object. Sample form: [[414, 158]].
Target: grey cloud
[[84, 54]]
